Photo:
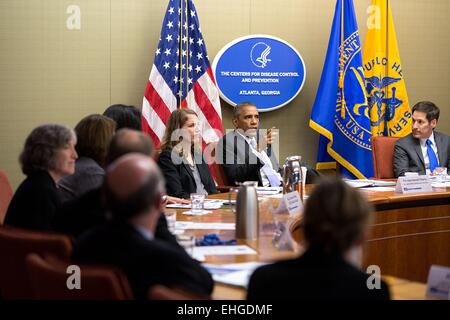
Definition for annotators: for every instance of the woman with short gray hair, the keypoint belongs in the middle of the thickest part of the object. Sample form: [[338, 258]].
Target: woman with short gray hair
[[48, 155]]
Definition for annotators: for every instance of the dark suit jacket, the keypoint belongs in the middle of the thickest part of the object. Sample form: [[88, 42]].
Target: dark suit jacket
[[88, 175], [240, 164], [34, 204], [179, 178], [312, 276], [145, 262], [86, 212], [408, 155]]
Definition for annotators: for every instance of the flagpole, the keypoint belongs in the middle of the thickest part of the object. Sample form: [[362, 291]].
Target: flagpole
[[187, 52], [342, 23], [341, 67], [386, 72], [180, 48]]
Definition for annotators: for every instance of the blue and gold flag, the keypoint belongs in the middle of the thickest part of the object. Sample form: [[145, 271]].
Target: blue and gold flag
[[386, 89], [340, 112]]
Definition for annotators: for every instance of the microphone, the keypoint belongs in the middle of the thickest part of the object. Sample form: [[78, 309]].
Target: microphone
[[269, 146]]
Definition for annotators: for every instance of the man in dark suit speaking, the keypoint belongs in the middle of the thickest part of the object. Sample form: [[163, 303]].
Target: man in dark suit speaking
[[424, 149], [248, 156]]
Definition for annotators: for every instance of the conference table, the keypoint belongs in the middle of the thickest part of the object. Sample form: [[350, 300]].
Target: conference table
[[408, 234]]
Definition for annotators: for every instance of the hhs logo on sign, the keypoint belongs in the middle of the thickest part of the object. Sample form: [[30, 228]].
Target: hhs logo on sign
[[263, 69], [259, 54]]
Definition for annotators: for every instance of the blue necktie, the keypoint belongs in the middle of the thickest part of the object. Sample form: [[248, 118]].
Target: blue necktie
[[432, 156]]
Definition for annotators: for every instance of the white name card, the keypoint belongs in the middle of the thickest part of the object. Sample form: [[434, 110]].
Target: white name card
[[291, 202], [438, 284], [413, 184]]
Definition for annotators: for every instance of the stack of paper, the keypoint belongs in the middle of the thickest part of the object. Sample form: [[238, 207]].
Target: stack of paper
[[236, 274], [200, 252], [209, 204], [364, 183], [379, 189], [268, 190], [190, 213], [204, 225]]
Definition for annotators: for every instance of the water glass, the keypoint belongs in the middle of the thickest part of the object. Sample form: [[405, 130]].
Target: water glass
[[251, 184], [411, 174], [232, 197], [171, 218], [187, 241], [441, 174], [197, 201]]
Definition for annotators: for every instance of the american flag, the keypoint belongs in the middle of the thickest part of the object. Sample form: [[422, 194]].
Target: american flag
[[181, 76]]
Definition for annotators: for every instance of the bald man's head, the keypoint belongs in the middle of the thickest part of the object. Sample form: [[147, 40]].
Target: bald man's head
[[133, 185], [128, 141]]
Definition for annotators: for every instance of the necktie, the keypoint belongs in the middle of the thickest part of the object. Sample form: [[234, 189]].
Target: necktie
[[253, 143], [431, 156]]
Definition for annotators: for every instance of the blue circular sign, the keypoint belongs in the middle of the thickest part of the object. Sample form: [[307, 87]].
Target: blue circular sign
[[261, 69]]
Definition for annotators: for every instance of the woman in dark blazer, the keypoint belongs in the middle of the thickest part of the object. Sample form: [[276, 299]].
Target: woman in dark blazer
[[94, 134], [181, 161], [48, 155]]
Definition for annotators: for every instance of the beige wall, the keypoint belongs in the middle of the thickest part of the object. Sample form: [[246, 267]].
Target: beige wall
[[51, 74]]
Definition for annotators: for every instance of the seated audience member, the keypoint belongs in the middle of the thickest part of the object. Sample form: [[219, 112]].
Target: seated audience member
[[94, 134], [133, 189], [124, 116], [184, 168], [424, 149], [334, 230], [78, 215], [243, 159], [48, 155]]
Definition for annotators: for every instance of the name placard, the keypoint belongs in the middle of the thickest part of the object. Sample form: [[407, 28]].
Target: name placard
[[291, 203], [438, 284], [413, 184]]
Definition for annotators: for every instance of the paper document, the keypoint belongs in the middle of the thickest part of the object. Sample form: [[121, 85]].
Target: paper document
[[379, 189], [268, 190], [274, 196], [179, 206], [204, 225], [440, 184], [190, 213], [237, 278], [236, 274], [201, 252], [364, 183], [380, 183], [209, 204]]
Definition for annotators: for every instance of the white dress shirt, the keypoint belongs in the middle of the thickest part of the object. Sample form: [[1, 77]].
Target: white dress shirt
[[423, 146], [262, 155]]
